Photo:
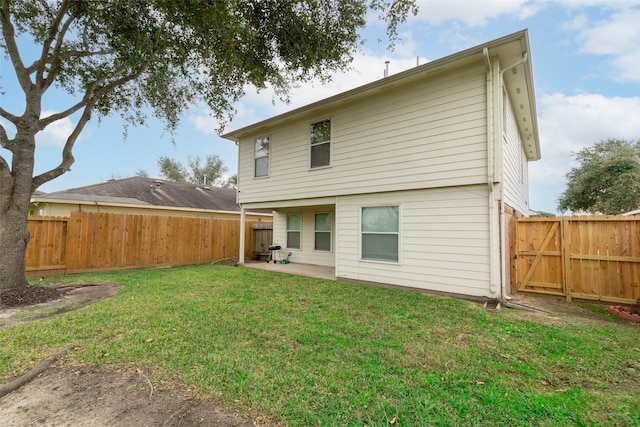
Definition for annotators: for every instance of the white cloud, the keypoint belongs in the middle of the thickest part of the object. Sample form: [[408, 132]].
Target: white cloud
[[475, 13], [578, 22], [203, 121], [570, 123], [617, 37], [605, 4], [56, 133], [407, 46]]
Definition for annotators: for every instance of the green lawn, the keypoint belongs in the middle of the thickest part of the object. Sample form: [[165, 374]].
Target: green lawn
[[308, 351]]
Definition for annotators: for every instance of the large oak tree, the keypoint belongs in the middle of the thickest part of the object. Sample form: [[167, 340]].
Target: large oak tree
[[606, 179], [132, 57]]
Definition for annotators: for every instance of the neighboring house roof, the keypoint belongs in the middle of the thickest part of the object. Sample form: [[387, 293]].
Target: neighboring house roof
[[512, 50], [150, 192], [64, 196]]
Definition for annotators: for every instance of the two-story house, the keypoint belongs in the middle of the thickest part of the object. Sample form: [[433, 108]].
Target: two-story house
[[409, 180]]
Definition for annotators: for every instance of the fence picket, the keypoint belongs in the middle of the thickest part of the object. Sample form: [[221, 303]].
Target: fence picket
[[99, 241]]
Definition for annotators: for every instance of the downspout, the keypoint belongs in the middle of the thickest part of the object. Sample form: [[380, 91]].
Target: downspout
[[522, 60], [494, 267], [505, 263]]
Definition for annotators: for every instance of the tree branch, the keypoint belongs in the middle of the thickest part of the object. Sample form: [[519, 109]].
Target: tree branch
[[7, 115], [69, 54], [46, 45], [32, 374], [8, 33], [4, 166], [56, 59], [67, 153], [88, 97], [4, 138], [43, 123], [92, 95], [5, 178], [83, 53]]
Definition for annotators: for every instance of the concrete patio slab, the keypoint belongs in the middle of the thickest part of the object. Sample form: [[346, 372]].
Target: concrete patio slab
[[309, 270]]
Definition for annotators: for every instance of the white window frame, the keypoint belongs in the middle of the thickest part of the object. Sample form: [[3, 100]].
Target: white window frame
[[316, 231], [255, 158], [328, 142], [293, 231], [398, 233]]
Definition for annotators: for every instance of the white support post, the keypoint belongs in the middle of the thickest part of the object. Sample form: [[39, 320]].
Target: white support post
[[242, 234]]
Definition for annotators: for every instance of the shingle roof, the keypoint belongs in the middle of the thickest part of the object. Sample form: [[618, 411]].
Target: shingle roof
[[156, 192]]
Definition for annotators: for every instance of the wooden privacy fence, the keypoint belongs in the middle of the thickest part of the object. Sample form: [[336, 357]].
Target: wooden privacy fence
[[104, 241], [596, 258]]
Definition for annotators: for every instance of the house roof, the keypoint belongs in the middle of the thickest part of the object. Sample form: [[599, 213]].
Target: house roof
[[512, 51], [149, 192]]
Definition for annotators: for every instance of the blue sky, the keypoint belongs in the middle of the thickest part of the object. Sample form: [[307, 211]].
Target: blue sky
[[586, 65]]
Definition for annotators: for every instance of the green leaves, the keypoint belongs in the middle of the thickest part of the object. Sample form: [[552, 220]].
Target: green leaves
[[607, 180], [167, 54], [208, 171]]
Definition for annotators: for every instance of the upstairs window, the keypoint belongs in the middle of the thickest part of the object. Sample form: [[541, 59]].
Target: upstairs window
[[380, 232], [294, 228], [262, 157], [320, 144]]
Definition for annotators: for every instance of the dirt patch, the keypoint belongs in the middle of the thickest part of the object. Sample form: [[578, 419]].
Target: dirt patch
[[553, 310], [70, 297], [65, 397], [28, 295], [81, 397]]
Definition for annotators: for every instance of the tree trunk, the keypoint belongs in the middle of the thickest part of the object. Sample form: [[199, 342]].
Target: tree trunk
[[14, 237], [15, 196]]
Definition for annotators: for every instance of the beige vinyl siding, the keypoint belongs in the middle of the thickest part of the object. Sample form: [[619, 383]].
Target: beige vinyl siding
[[429, 134], [306, 254], [444, 240], [515, 178]]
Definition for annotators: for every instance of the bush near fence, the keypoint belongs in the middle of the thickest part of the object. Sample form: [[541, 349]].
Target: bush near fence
[[104, 241]]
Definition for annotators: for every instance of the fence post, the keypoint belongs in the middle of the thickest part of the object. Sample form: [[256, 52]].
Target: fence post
[[514, 256], [565, 251]]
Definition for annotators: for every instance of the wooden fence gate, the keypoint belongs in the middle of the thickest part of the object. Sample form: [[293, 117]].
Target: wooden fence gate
[[596, 258]]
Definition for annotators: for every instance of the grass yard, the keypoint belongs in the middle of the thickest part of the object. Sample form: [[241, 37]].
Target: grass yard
[[308, 351]]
